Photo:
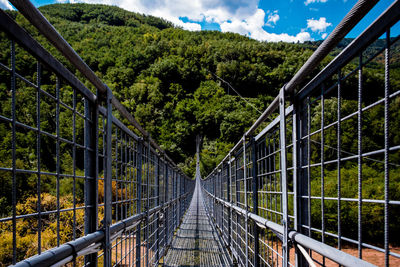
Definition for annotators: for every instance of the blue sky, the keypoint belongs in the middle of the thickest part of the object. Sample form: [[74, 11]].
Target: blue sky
[[264, 20]]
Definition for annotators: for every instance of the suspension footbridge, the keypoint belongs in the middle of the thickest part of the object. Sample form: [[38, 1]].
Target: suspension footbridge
[[278, 198]]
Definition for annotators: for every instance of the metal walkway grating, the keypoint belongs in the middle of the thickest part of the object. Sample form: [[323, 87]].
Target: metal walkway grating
[[196, 242]]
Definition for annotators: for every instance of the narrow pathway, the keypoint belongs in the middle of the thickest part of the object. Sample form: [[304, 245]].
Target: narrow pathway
[[196, 243]]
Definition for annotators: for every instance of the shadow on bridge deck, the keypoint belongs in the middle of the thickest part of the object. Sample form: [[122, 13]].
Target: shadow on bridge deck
[[196, 242]]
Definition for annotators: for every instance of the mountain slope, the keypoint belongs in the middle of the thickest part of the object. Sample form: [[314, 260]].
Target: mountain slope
[[165, 76]]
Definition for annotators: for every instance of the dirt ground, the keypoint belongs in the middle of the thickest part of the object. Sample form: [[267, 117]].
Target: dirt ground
[[375, 257], [124, 254], [370, 255]]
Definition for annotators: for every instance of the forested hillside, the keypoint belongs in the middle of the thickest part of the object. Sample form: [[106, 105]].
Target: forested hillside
[[165, 75]]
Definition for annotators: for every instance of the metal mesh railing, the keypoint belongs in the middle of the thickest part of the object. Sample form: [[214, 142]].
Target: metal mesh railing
[[314, 180], [78, 185]]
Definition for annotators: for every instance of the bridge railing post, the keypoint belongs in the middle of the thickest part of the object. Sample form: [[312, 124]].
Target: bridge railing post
[[255, 199], [139, 198], [178, 217], [157, 184], [236, 204], [221, 207], [285, 220], [246, 204], [303, 217], [91, 170], [295, 161], [108, 181], [228, 195], [166, 198], [147, 220]]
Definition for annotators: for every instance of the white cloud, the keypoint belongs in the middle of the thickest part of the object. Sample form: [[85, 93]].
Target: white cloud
[[272, 19], [217, 11], [72, 1], [307, 2], [318, 25], [170, 10], [238, 16], [5, 5], [324, 35], [252, 27]]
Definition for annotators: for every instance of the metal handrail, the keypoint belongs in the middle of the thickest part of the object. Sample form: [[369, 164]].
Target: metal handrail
[[333, 254], [358, 11], [59, 254]]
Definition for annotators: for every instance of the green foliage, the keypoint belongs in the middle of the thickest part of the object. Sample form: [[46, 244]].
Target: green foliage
[[372, 214], [103, 14], [27, 236]]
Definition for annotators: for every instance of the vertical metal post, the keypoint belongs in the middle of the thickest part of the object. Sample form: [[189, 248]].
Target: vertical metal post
[[148, 160], [13, 148], [58, 169], [228, 193], [303, 177], [386, 118], [308, 162], [159, 212], [178, 194], [139, 198], [213, 193], [245, 200], [359, 157], [166, 201], [174, 198], [339, 145], [222, 196], [38, 148], [74, 161], [217, 192], [255, 199], [282, 130], [295, 162], [322, 167], [237, 199], [90, 140], [108, 182]]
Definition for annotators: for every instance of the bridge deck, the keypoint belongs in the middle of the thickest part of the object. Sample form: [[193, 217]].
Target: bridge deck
[[196, 243]]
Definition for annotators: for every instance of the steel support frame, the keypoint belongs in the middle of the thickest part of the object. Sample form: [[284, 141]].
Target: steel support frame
[[108, 182], [147, 219], [245, 201], [159, 212], [255, 199], [139, 153], [91, 174], [283, 155], [166, 209], [228, 196]]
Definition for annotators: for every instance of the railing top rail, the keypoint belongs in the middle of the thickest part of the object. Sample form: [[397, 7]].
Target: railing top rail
[[358, 11], [377, 28]]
